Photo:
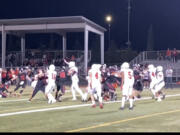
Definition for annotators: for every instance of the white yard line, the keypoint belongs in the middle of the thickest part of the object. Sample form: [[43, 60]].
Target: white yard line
[[67, 107]]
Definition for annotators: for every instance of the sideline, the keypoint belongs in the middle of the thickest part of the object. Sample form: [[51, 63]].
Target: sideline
[[67, 107]]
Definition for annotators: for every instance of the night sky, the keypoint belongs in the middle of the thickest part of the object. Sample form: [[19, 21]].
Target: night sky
[[164, 15]]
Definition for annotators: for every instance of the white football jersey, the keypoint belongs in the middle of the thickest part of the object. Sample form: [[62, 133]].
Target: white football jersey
[[51, 76], [74, 73], [128, 76], [145, 74], [96, 78], [160, 76], [89, 78], [152, 74]]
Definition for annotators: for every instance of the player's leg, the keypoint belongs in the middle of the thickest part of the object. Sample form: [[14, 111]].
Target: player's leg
[[124, 96], [99, 94], [57, 91], [76, 86], [92, 91], [158, 90], [130, 97], [73, 92], [34, 93]]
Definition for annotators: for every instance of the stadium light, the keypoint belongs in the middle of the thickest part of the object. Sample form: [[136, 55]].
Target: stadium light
[[129, 14], [109, 20]]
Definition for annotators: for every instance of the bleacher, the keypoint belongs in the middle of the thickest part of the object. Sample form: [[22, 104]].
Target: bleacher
[[152, 57]]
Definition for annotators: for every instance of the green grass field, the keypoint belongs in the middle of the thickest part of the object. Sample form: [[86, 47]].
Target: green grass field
[[18, 115]]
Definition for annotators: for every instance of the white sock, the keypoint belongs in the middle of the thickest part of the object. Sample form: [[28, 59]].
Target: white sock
[[153, 92], [50, 97], [100, 99], [131, 102], [85, 96], [95, 96], [123, 101], [93, 102], [159, 99], [73, 93]]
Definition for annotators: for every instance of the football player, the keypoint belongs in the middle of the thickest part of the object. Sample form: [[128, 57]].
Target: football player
[[22, 82], [51, 78], [110, 84], [127, 82], [4, 76], [73, 72], [95, 84], [40, 85], [138, 86], [160, 84], [145, 77], [4, 91], [153, 80], [60, 83]]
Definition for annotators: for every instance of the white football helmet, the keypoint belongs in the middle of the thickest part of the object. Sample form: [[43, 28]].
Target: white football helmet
[[93, 66], [71, 64], [125, 65], [96, 66], [159, 68], [151, 66], [51, 67]]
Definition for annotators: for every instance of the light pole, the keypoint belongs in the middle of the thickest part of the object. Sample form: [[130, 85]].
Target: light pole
[[109, 20], [129, 15]]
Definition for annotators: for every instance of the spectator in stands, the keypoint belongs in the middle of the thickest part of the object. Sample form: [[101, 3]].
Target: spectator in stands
[[0, 75], [73, 58], [145, 77], [169, 73], [8, 59], [33, 54], [159, 56], [12, 60], [168, 54], [174, 55]]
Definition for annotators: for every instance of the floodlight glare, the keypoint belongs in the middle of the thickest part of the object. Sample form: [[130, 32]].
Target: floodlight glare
[[109, 18]]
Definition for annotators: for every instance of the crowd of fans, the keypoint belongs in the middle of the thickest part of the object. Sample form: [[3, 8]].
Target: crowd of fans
[[14, 60], [170, 55]]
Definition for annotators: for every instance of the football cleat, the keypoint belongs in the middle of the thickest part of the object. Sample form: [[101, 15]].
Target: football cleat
[[121, 108], [94, 106], [29, 101], [139, 96], [21, 92], [130, 108], [163, 96], [74, 99], [101, 106], [50, 101], [53, 101], [159, 100]]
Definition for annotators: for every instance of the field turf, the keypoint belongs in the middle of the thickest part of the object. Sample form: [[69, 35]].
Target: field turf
[[148, 115]]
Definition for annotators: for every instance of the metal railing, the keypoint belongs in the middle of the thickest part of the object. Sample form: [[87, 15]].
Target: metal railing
[[37, 56], [158, 58]]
